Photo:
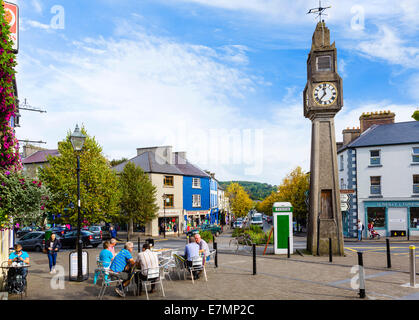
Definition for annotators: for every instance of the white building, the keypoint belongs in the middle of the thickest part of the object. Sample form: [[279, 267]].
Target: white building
[[380, 163]]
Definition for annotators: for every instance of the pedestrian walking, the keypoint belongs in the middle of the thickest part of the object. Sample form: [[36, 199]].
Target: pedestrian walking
[[52, 246], [360, 228]]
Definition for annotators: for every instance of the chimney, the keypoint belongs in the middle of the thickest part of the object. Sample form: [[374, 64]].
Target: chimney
[[179, 157], [29, 149], [164, 152], [350, 135], [370, 118]]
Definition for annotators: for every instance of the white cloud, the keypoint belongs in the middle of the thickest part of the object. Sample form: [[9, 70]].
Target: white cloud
[[37, 24], [37, 6]]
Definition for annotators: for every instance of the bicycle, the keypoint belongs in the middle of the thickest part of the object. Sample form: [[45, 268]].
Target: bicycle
[[245, 240]]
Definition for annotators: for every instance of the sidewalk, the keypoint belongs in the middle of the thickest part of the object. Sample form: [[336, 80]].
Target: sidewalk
[[278, 278]]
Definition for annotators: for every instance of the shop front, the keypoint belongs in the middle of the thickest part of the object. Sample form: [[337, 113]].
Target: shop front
[[195, 218], [392, 217]]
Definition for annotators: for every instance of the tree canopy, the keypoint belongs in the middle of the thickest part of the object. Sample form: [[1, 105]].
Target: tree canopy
[[240, 202], [138, 196], [415, 115], [292, 189], [98, 193], [256, 190]]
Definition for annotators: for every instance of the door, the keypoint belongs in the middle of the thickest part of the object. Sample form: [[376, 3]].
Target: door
[[397, 219]]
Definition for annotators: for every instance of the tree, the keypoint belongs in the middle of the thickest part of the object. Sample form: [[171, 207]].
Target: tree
[[138, 196], [240, 202], [292, 189], [415, 115], [98, 195], [22, 200], [9, 147], [115, 162]]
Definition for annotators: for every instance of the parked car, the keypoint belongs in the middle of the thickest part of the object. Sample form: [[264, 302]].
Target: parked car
[[21, 232], [59, 230], [214, 229], [96, 230], [34, 240], [238, 223], [69, 239], [106, 233]]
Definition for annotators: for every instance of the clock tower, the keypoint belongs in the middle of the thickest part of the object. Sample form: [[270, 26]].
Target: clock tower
[[322, 100]]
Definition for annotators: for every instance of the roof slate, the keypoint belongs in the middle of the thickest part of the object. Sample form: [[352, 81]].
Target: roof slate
[[387, 134], [40, 156]]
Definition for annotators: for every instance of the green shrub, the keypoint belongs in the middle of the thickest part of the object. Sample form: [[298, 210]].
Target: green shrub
[[256, 229], [237, 232], [207, 236]]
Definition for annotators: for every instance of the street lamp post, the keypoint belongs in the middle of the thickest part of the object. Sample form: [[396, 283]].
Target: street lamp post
[[164, 213], [77, 141]]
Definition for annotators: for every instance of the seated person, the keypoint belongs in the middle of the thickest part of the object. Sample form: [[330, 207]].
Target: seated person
[[191, 251], [18, 257], [124, 263], [146, 260], [106, 255], [203, 247]]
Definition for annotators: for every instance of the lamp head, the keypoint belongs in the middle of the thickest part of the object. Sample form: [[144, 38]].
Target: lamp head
[[77, 139]]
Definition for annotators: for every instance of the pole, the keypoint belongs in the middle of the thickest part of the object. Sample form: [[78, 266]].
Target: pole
[[79, 240], [216, 254], [164, 210], [254, 259], [288, 248], [139, 249], [330, 250], [361, 276], [412, 250], [388, 253]]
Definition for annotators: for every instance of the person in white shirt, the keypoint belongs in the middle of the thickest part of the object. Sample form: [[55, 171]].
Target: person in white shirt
[[146, 259], [360, 227]]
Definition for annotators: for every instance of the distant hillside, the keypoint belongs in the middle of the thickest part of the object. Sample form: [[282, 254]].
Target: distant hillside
[[256, 190]]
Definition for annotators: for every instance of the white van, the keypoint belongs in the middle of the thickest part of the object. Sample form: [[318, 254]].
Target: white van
[[256, 220]]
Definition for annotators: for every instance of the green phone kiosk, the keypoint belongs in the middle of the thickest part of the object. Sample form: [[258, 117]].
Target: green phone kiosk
[[282, 216]]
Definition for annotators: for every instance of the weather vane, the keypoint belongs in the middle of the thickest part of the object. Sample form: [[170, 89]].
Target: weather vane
[[319, 11]]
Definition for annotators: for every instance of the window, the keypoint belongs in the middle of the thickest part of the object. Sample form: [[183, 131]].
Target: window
[[375, 158], [377, 216], [375, 185], [324, 63], [342, 183], [196, 183], [196, 200], [168, 181], [414, 217], [416, 183], [341, 162], [415, 154], [170, 200]]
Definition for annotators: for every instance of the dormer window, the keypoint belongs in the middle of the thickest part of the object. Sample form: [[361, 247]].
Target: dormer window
[[324, 63]]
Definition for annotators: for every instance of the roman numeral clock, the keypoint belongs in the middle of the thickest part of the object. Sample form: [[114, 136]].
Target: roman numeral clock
[[322, 101]]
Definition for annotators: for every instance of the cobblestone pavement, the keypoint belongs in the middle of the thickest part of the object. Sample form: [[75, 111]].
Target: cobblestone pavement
[[278, 278]]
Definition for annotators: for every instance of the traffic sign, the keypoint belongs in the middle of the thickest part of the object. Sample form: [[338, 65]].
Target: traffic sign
[[344, 206], [344, 197]]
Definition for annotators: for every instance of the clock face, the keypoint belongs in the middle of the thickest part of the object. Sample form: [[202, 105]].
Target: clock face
[[325, 94]]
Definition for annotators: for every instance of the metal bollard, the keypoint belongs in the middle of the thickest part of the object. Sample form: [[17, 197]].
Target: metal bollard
[[288, 249], [330, 250], [254, 259], [139, 248], [361, 276], [412, 250], [216, 254], [388, 253]]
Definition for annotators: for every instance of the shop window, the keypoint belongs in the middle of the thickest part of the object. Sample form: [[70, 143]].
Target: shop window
[[377, 216], [169, 203], [414, 217], [168, 181], [375, 185], [415, 154], [196, 183], [416, 183], [375, 157]]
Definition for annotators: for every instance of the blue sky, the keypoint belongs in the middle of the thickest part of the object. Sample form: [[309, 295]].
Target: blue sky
[[193, 73]]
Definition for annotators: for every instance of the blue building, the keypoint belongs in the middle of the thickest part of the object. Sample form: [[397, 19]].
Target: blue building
[[214, 218], [196, 191]]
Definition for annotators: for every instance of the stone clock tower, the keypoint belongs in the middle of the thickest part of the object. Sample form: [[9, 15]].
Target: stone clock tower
[[322, 100]]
